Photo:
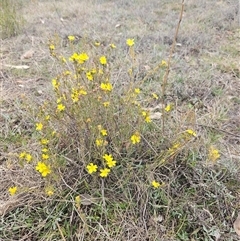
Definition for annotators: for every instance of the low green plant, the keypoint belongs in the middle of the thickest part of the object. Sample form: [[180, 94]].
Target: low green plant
[[10, 20]]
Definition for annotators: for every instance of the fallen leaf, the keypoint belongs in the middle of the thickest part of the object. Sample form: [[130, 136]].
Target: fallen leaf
[[27, 55], [158, 219], [147, 67], [87, 199], [155, 108], [156, 115]]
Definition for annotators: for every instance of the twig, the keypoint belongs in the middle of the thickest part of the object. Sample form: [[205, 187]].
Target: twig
[[60, 231], [103, 196], [218, 129], [165, 77]]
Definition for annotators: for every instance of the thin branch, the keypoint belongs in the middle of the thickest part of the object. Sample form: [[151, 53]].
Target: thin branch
[[165, 77]]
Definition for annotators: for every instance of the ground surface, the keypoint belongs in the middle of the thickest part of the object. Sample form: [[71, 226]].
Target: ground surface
[[205, 70]]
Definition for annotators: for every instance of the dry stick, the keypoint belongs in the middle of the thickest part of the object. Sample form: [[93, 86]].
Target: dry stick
[[165, 77], [60, 231]]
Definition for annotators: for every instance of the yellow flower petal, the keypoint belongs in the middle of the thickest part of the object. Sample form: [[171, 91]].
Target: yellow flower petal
[[103, 60], [135, 138], [130, 42], [12, 190], [91, 168], [104, 172], [155, 184]]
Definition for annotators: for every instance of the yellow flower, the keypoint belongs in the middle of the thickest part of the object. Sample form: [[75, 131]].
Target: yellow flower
[[78, 201], [12, 190], [213, 154], [176, 146], [43, 169], [49, 191], [99, 142], [82, 58], [155, 96], [82, 92], [62, 59], [71, 38], [44, 150], [44, 141], [107, 157], [91, 168], [22, 155], [67, 72], [163, 63], [79, 58], [28, 157], [135, 138], [74, 57], [113, 46], [111, 163], [168, 108], [130, 42], [103, 132], [75, 95], [106, 103], [155, 184], [106, 86], [74, 98], [191, 132], [136, 103], [51, 47], [109, 160], [103, 60], [97, 43], [104, 172], [60, 107], [89, 75], [45, 156], [55, 84], [47, 117], [148, 119], [39, 126], [130, 72], [93, 71], [137, 91]]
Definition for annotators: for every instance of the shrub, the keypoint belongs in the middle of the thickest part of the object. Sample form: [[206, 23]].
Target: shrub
[[95, 123]]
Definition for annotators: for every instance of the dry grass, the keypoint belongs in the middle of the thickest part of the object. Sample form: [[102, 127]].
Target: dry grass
[[200, 200], [10, 20]]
